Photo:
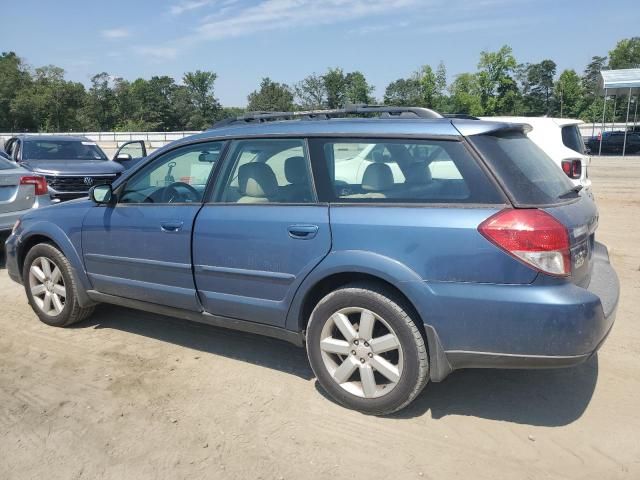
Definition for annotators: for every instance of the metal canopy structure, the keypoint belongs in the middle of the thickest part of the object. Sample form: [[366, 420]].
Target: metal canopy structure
[[620, 82]]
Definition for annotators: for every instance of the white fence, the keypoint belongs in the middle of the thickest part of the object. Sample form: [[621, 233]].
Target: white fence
[[110, 141]]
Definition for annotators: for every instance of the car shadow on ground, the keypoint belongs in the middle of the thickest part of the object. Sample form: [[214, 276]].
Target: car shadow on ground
[[534, 397]]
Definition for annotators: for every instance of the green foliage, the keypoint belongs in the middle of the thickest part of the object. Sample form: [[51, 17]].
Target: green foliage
[[271, 97], [626, 54], [568, 94], [41, 99]]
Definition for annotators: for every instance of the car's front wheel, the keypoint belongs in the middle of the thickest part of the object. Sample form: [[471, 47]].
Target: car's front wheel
[[366, 350], [48, 280]]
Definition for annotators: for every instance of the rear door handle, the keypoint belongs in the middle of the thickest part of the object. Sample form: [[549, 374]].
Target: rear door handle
[[303, 232], [171, 227]]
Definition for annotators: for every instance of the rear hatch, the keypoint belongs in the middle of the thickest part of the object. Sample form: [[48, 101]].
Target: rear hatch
[[531, 180], [14, 197]]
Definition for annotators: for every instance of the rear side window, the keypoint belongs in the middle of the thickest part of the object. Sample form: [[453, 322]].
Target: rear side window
[[401, 171], [268, 171], [531, 177], [572, 138]]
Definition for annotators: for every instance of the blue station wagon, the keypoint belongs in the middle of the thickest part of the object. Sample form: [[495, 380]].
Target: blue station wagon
[[396, 245]]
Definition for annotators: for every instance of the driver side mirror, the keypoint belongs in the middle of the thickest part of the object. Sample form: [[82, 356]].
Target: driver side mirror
[[101, 194], [123, 157]]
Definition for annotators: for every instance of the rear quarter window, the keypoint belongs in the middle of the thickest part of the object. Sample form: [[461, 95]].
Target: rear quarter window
[[572, 138], [530, 176], [400, 171]]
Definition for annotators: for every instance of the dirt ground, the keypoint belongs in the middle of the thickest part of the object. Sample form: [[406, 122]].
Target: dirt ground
[[130, 395]]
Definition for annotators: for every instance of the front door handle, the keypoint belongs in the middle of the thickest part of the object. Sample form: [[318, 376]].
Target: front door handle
[[171, 227], [303, 232]]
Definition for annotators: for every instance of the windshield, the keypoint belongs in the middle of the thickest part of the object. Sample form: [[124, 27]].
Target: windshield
[[531, 177], [6, 164], [61, 150]]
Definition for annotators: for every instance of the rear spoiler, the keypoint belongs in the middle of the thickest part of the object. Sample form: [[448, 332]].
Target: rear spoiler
[[484, 127]]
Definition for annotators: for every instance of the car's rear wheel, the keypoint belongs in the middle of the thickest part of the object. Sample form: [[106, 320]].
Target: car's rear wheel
[[365, 349], [48, 280]]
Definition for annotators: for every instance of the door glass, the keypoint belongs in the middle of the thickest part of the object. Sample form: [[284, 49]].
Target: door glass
[[134, 149], [268, 171], [179, 176]]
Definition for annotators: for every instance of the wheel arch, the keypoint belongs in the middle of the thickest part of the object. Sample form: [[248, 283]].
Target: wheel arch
[[53, 235], [339, 269]]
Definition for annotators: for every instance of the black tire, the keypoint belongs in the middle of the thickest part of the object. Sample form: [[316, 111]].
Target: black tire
[[72, 311], [384, 304]]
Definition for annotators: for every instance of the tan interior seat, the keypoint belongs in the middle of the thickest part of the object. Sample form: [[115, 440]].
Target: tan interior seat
[[257, 183]]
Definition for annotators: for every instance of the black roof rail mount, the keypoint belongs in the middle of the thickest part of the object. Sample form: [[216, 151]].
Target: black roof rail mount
[[382, 111]]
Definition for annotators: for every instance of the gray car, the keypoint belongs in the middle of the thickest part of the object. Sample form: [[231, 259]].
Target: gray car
[[70, 164], [20, 191]]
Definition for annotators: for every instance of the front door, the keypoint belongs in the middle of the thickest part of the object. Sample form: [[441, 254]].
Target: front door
[[140, 247], [262, 235]]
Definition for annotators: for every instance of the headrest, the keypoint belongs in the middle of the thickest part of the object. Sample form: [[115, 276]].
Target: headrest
[[256, 179], [418, 173], [295, 170], [378, 177]]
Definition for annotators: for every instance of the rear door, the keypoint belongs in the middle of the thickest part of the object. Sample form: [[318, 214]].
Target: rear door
[[261, 233]]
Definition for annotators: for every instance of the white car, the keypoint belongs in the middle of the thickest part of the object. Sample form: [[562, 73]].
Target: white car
[[560, 139]]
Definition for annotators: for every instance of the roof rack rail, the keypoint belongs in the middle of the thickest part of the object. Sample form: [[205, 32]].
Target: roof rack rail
[[382, 111]]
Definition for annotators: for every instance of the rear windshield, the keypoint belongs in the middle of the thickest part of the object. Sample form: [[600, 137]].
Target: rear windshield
[[6, 164], [572, 138], [402, 171], [61, 150], [531, 177]]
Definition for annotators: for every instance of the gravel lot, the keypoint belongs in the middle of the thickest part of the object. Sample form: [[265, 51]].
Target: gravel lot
[[134, 395]]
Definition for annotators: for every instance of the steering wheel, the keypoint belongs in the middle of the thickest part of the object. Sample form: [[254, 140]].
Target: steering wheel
[[171, 193]]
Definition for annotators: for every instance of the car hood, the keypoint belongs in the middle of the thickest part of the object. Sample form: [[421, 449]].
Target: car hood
[[73, 167]]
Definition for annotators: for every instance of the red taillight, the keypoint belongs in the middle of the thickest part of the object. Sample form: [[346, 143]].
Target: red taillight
[[39, 182], [532, 236], [573, 168]]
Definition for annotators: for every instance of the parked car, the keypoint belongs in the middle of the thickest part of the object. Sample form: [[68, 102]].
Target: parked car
[[20, 191], [613, 142], [71, 165], [560, 139], [389, 283]]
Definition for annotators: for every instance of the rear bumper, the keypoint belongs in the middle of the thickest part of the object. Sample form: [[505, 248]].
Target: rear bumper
[[7, 220], [540, 325]]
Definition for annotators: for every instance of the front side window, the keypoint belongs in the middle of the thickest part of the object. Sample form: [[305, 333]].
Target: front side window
[[61, 150], [403, 171], [179, 176], [268, 171]]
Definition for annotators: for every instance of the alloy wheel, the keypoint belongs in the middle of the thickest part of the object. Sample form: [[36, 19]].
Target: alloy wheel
[[47, 286], [361, 352]]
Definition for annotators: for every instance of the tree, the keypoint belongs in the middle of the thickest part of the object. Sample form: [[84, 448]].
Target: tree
[[335, 84], [466, 95], [358, 89], [626, 54], [590, 84], [271, 97], [404, 92], [537, 86], [13, 78], [311, 92], [99, 112], [200, 94], [498, 90], [568, 94]]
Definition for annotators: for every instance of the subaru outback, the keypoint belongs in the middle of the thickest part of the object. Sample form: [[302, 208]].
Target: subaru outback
[[460, 244]]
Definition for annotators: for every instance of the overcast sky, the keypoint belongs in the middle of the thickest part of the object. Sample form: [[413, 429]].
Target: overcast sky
[[243, 41]]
